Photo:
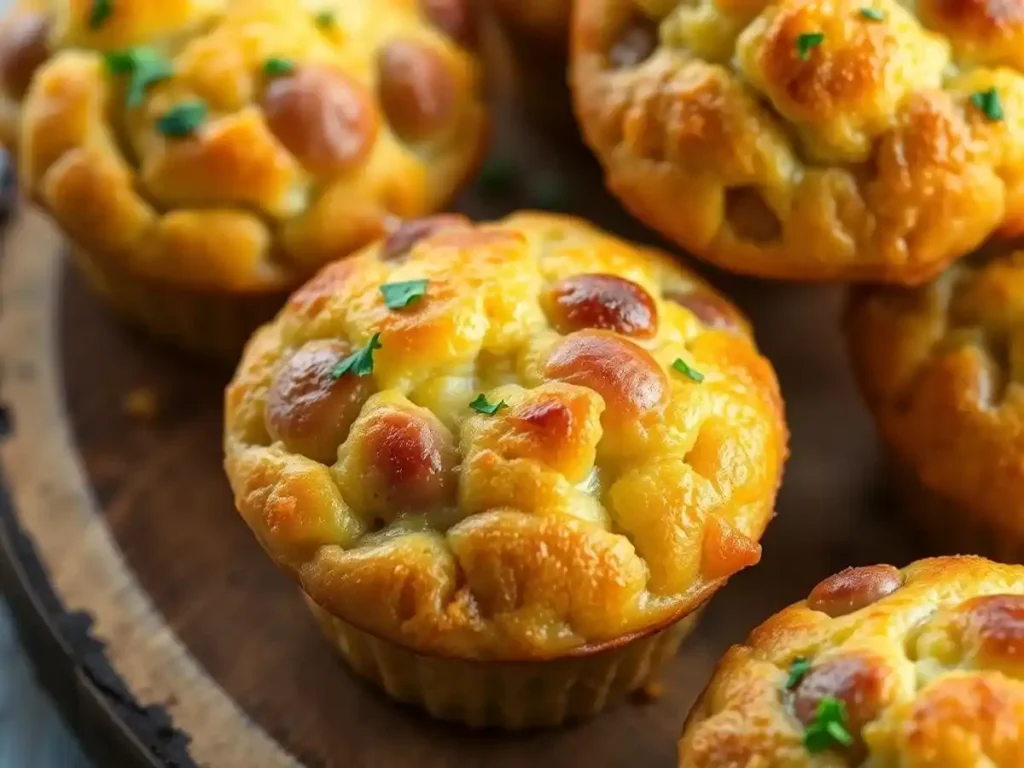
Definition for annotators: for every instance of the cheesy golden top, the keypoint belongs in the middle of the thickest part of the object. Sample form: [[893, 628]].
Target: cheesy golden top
[[512, 440], [238, 145], [810, 139], [919, 668]]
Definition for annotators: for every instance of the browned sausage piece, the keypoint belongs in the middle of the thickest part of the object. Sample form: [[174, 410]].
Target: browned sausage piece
[[416, 90], [601, 301]]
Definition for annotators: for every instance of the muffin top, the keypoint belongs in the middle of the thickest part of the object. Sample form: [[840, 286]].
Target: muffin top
[[940, 367], [238, 145], [810, 139], [514, 440], [546, 20], [880, 667]]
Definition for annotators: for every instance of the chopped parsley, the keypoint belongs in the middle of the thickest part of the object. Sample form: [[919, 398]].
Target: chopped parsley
[[401, 295], [276, 66], [829, 728], [182, 120], [807, 42], [324, 19], [359, 362], [681, 366], [99, 13], [989, 103], [872, 14], [144, 66], [797, 670], [482, 405]]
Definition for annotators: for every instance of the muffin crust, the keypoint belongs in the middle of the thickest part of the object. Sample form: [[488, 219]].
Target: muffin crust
[[269, 138], [591, 493], [926, 663], [805, 139]]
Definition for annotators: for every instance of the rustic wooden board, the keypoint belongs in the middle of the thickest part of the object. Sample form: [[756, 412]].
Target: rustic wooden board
[[170, 639]]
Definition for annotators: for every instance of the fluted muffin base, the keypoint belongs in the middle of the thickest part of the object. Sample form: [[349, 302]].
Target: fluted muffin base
[[209, 324], [510, 695]]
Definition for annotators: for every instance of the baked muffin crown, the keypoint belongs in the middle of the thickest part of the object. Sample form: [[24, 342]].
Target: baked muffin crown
[[809, 139], [940, 367], [877, 667], [239, 145], [564, 440]]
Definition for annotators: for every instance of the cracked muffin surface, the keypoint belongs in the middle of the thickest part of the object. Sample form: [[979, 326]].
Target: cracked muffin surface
[[940, 367], [518, 440], [877, 667], [238, 145], [811, 140]]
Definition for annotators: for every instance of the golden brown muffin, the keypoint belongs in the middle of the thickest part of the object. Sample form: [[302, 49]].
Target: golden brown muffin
[[862, 140], [919, 668], [537, 34], [506, 463], [941, 368], [248, 143]]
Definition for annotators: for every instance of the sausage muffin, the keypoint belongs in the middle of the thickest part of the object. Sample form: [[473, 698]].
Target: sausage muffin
[[537, 36], [508, 463], [938, 366], [203, 175], [877, 667], [858, 140]]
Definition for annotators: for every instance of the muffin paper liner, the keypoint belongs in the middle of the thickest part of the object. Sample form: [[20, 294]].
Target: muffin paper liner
[[510, 695], [949, 527], [206, 323]]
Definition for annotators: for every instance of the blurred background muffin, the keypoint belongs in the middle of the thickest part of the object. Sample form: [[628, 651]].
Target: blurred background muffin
[[206, 157], [941, 368], [919, 667], [809, 139], [537, 36], [507, 463]]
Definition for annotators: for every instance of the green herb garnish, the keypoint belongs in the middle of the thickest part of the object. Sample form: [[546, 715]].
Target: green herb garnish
[[989, 103], [182, 120], [482, 405], [101, 11], [276, 66], [806, 42], [829, 728], [359, 362], [144, 66], [681, 366], [872, 14], [324, 19], [401, 295], [797, 670]]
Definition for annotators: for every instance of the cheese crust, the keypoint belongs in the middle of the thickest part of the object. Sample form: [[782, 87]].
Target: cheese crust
[[609, 495]]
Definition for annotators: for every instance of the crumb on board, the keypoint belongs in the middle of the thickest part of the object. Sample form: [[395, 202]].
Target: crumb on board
[[649, 692], [142, 403]]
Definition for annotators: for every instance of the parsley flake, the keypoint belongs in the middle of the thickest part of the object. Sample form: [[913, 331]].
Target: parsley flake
[[806, 42], [989, 103], [482, 405], [872, 14], [401, 295], [276, 66], [324, 19], [829, 727], [145, 67], [359, 362], [797, 670], [99, 13], [681, 366], [182, 120]]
